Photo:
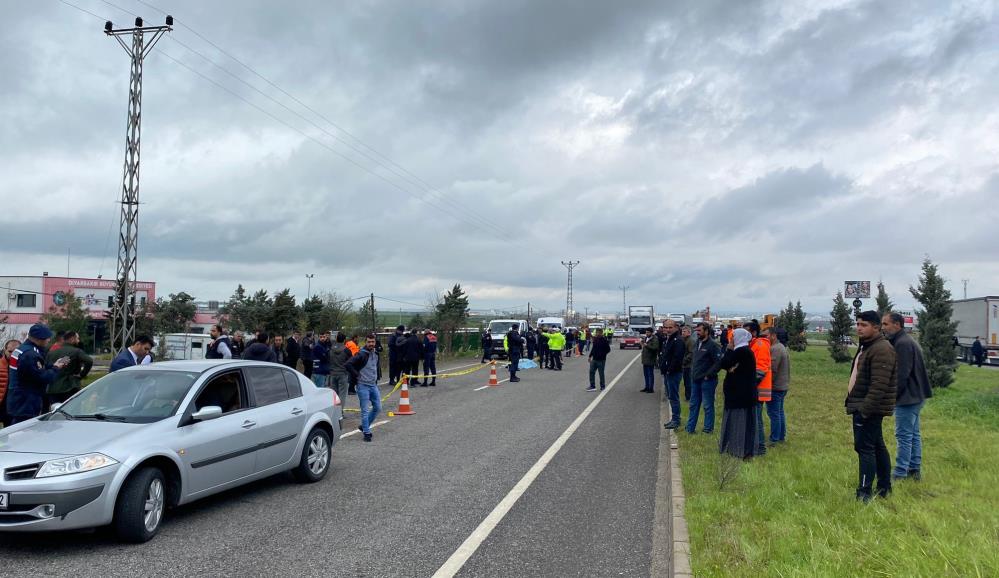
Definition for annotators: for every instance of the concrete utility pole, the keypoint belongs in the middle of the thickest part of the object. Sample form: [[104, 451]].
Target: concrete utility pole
[[308, 292], [123, 307], [965, 283], [570, 265], [624, 300]]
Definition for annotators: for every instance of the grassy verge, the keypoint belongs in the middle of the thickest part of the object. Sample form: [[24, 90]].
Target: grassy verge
[[793, 512]]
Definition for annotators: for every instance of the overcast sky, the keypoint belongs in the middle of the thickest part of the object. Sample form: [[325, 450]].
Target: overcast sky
[[734, 154]]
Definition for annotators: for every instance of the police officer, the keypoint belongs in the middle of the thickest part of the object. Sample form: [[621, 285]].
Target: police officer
[[30, 376], [515, 344]]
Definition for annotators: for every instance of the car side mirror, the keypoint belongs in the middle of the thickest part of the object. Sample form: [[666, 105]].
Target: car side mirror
[[206, 413]]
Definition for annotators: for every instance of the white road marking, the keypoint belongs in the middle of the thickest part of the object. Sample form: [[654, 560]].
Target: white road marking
[[454, 564], [354, 432], [488, 386]]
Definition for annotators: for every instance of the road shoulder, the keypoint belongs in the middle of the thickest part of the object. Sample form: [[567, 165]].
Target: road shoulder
[[670, 540]]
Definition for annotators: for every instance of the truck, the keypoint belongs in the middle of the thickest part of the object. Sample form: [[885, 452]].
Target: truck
[[979, 318], [680, 318], [498, 328], [186, 345], [549, 322], [640, 318]]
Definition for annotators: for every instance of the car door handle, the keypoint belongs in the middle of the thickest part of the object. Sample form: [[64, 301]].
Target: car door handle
[[296, 411], [248, 424]]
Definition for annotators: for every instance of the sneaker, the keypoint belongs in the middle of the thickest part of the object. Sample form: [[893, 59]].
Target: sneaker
[[515, 380], [602, 388], [915, 475], [367, 437], [671, 425], [434, 384], [360, 428], [591, 388]]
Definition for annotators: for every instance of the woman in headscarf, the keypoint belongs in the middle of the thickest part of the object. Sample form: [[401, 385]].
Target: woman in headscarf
[[738, 432]]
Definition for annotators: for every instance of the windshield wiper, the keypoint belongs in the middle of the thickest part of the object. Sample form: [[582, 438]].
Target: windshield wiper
[[101, 417], [64, 412]]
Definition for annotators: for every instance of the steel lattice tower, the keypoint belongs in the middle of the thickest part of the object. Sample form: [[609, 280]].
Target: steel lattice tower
[[570, 265], [123, 307]]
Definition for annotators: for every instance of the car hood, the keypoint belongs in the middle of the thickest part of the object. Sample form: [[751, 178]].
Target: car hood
[[64, 437]]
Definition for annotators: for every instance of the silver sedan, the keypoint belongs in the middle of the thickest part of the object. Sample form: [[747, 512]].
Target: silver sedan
[[150, 437]]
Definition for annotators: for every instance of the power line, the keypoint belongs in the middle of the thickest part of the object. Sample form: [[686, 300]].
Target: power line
[[415, 178], [84, 10]]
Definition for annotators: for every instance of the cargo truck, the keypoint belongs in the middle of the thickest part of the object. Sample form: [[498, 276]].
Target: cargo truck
[[640, 318], [977, 317]]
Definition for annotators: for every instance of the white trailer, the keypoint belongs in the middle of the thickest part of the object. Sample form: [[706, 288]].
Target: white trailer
[[186, 345], [640, 318], [978, 317]]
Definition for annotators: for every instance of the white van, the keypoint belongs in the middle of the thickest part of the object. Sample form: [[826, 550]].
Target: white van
[[556, 322], [498, 328]]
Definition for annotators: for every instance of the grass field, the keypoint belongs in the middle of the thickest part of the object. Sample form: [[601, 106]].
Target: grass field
[[793, 512]]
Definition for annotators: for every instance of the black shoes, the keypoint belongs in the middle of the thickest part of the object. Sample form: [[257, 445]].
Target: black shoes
[[671, 425], [591, 388], [514, 379], [367, 437], [647, 390], [915, 475]]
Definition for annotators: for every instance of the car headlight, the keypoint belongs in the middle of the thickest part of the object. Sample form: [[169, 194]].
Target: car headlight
[[74, 465]]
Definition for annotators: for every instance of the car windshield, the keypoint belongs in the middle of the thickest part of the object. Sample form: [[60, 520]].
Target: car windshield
[[641, 320], [500, 326], [135, 396]]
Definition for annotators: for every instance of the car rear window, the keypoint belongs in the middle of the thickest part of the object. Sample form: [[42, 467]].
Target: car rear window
[[268, 385], [294, 385]]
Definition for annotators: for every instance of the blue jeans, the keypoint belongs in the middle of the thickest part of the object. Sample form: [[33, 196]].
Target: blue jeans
[[650, 377], [673, 394], [368, 393], [761, 444], [778, 423], [320, 380], [909, 456], [702, 393]]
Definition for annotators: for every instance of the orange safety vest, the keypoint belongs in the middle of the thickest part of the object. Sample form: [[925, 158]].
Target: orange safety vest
[[761, 349]]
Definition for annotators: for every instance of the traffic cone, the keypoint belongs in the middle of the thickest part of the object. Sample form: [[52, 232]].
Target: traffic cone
[[492, 374], [404, 407]]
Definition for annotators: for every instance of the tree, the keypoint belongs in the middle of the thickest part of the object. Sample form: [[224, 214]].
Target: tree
[[335, 313], [282, 316], [418, 322], [70, 316], [258, 310], [367, 318], [936, 330], [796, 328], [174, 314], [884, 303], [235, 311], [311, 310], [840, 328], [451, 313]]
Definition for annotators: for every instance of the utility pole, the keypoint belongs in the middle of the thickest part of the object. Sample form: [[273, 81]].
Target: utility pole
[[965, 283], [374, 329], [624, 300], [308, 292], [570, 265], [122, 311]]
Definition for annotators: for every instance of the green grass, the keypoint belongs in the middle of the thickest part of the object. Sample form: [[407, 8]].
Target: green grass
[[793, 512]]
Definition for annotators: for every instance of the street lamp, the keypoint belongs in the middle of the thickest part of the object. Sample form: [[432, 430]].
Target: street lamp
[[308, 293]]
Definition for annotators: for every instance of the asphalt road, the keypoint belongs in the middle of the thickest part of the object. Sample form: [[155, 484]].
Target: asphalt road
[[403, 504]]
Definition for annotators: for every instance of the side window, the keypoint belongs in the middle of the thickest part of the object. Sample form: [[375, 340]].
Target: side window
[[268, 385], [225, 391], [294, 386]]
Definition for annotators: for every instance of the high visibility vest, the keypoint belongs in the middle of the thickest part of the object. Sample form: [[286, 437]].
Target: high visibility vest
[[506, 344], [761, 349]]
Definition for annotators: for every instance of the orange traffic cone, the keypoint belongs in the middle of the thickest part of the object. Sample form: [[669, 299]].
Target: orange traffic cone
[[404, 407], [492, 374]]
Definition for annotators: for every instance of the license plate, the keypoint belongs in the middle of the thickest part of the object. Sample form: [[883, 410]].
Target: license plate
[[4, 499]]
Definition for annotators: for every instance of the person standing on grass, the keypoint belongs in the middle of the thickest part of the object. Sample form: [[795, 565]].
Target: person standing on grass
[[764, 380], [738, 432], [672, 352], [599, 349], [650, 353], [912, 389], [68, 381], [978, 351], [707, 352], [780, 368], [366, 371], [688, 359], [870, 397]]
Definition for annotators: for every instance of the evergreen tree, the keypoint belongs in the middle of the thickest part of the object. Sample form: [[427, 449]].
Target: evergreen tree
[[936, 330], [367, 319], [70, 316], [174, 314], [840, 328], [311, 311], [451, 313], [418, 322], [234, 312], [884, 303], [257, 311], [797, 326], [282, 315]]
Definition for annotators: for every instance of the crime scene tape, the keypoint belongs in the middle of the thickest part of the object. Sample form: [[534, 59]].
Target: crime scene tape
[[422, 376]]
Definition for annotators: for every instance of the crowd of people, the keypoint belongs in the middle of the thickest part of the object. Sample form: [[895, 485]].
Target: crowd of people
[[888, 376]]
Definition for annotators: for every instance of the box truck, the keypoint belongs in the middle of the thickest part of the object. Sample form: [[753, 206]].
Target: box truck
[[977, 318]]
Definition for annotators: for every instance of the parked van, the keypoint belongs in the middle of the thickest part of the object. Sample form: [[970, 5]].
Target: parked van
[[498, 328]]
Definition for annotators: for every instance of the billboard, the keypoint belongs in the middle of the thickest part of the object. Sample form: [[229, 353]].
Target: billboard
[[857, 290]]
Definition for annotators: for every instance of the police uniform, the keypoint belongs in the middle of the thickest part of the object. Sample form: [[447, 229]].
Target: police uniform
[[29, 377], [514, 344]]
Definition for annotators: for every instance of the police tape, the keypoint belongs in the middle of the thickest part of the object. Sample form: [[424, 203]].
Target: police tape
[[425, 376]]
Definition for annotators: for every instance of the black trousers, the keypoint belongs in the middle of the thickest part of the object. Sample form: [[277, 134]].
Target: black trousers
[[413, 368], [869, 443], [543, 356], [486, 354], [430, 367], [395, 368], [307, 368], [514, 364], [555, 359]]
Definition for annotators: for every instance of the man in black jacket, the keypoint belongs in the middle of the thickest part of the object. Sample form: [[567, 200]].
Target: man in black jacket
[[294, 349], [412, 350], [306, 352], [912, 390], [259, 350], [871, 397], [396, 343], [671, 353], [702, 394], [515, 344], [598, 359], [486, 341]]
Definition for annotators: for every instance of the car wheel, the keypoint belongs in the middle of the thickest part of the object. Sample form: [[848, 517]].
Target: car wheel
[[316, 456], [138, 513]]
